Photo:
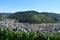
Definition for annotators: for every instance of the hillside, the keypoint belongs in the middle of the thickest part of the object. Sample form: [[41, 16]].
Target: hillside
[[31, 17], [54, 16], [1, 18], [5, 14]]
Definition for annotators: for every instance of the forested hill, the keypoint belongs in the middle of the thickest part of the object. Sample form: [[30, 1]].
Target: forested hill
[[35, 17], [54, 16], [49, 14], [5, 14]]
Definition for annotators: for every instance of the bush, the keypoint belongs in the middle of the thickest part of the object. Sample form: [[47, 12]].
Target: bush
[[6, 34]]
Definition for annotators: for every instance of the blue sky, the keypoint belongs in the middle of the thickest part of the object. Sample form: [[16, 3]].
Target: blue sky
[[23, 5]]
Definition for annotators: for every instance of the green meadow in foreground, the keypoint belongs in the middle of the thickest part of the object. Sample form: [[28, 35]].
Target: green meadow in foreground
[[7, 34]]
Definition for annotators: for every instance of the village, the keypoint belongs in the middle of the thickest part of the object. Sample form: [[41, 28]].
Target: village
[[27, 27]]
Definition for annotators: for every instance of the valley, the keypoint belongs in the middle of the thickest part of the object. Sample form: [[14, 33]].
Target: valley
[[27, 27], [28, 21]]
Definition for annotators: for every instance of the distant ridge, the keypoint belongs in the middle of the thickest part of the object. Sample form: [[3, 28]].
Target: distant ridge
[[35, 17], [5, 14]]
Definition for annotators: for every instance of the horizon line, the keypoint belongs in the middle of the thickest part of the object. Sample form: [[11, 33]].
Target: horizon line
[[31, 10]]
